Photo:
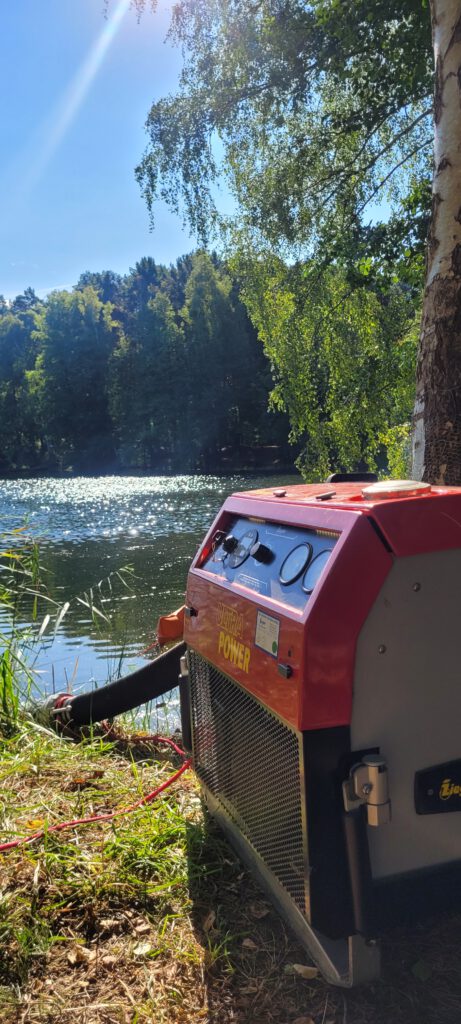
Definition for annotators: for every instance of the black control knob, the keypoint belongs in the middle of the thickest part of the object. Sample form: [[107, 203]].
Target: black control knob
[[261, 553], [230, 543]]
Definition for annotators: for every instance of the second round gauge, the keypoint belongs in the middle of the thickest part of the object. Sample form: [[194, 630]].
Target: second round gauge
[[315, 570], [295, 564]]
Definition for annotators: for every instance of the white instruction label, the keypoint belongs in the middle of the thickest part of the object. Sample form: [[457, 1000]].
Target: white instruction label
[[267, 633]]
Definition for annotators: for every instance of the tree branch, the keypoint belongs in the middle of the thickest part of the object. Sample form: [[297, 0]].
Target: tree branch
[[349, 170], [379, 186]]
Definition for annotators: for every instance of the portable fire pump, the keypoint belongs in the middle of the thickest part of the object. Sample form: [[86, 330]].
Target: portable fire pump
[[321, 698], [323, 637]]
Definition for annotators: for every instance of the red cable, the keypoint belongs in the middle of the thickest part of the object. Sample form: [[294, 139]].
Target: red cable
[[112, 814], [142, 738]]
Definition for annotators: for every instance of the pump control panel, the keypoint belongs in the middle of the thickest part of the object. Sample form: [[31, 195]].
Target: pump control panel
[[271, 559]]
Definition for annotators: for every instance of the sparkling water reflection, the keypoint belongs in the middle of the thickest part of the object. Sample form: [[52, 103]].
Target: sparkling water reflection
[[84, 508], [88, 530]]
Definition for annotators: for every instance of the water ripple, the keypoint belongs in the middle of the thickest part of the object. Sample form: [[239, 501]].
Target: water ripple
[[87, 529], [84, 508]]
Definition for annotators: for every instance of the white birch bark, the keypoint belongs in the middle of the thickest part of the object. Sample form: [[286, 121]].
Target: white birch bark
[[437, 414]]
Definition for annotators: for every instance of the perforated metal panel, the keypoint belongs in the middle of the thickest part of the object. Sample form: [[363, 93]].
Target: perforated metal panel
[[252, 765]]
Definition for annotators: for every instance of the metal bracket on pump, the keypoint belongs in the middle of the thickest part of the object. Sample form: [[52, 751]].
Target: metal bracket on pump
[[368, 785], [184, 701]]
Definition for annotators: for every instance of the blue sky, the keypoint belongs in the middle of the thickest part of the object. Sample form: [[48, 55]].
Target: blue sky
[[75, 90]]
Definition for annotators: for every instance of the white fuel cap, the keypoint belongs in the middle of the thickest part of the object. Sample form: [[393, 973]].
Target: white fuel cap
[[395, 489]]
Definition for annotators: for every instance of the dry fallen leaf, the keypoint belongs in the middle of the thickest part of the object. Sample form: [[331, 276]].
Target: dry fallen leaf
[[259, 910], [142, 928], [81, 782], [142, 949], [209, 921], [249, 944], [303, 970], [110, 961], [109, 924], [304, 1020], [81, 955]]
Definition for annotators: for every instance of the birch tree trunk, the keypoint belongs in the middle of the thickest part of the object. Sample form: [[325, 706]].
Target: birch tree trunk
[[437, 416]]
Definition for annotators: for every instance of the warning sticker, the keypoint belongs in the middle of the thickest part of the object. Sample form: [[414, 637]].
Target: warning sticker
[[267, 633]]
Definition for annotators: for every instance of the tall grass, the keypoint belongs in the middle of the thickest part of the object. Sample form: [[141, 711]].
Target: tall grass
[[24, 599], [9, 698], [20, 579]]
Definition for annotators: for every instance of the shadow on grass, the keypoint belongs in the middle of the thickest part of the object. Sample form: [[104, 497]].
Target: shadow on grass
[[250, 953]]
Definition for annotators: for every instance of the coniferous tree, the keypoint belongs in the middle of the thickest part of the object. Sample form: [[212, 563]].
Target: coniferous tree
[[168, 376], [18, 448], [75, 333]]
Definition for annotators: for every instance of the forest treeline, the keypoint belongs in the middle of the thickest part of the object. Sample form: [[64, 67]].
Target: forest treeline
[[159, 369]]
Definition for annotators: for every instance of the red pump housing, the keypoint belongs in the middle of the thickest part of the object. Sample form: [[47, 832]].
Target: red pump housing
[[314, 620]]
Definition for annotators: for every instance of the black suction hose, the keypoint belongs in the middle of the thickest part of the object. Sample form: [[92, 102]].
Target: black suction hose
[[155, 679]]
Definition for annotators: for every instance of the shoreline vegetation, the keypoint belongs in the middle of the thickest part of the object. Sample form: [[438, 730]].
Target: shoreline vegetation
[[270, 460], [150, 918]]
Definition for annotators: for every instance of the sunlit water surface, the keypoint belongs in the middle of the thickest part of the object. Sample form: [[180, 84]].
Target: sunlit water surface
[[117, 550]]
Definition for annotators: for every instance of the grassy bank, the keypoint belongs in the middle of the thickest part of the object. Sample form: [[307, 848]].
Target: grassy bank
[[150, 918]]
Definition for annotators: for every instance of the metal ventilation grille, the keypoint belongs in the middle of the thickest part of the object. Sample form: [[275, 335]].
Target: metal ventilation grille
[[251, 763]]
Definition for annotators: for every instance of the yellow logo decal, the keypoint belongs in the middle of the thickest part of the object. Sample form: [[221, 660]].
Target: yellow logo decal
[[234, 651], [230, 620], [448, 789]]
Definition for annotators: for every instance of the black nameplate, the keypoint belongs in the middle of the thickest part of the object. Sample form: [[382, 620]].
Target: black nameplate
[[438, 789]]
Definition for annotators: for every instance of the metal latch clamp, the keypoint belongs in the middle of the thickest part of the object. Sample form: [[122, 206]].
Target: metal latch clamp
[[368, 785]]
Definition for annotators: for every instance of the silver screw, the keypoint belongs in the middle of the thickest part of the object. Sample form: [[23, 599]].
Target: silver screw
[[367, 788], [382, 649], [416, 587]]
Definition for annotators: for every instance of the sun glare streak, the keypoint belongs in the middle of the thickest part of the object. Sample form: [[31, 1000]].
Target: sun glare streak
[[76, 93]]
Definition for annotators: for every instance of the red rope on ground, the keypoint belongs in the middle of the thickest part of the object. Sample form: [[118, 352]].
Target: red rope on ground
[[112, 814]]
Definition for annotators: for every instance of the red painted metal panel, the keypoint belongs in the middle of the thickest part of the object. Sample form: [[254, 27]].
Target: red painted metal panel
[[336, 613], [317, 643], [208, 633], [414, 525]]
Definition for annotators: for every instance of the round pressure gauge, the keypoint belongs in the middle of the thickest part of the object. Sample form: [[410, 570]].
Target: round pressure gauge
[[242, 549], [295, 563], [314, 571]]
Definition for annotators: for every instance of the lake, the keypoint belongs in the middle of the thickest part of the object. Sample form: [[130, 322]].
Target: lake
[[117, 549]]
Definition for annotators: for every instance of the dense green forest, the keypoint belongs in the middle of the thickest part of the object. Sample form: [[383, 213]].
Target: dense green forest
[[163, 370], [158, 370]]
